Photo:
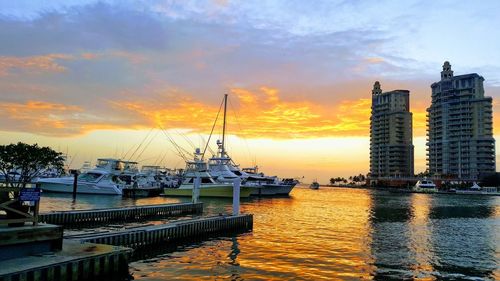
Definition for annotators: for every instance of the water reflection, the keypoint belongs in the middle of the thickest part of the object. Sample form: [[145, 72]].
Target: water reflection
[[434, 237], [64, 201], [464, 237], [330, 233], [393, 255]]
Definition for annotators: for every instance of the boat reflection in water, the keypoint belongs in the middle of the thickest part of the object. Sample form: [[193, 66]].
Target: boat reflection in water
[[340, 234]]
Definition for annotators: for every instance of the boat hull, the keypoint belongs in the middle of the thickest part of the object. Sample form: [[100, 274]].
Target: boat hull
[[425, 189], [141, 192], [209, 191], [82, 188], [271, 189]]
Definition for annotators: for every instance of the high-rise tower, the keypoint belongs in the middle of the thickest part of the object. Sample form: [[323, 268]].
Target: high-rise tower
[[460, 128], [391, 147]]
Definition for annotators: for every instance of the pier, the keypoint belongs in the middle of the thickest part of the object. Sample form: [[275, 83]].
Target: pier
[[184, 229], [75, 261], [101, 216], [105, 255]]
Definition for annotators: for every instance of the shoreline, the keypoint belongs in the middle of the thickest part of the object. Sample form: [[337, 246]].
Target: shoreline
[[404, 190]]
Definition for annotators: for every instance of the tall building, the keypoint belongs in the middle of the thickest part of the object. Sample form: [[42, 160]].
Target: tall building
[[391, 147], [460, 127]]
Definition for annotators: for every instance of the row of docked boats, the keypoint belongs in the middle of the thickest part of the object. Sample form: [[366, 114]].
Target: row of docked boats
[[116, 177]]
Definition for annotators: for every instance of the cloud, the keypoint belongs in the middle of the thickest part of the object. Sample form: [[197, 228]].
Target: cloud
[[93, 27], [52, 119], [114, 61], [259, 113], [36, 64]]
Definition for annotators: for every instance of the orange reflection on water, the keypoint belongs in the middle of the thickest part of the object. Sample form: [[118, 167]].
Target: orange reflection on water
[[420, 234], [322, 234]]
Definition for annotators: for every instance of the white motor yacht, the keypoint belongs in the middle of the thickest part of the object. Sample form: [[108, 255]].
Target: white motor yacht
[[425, 186], [267, 185], [103, 179], [222, 169], [208, 187]]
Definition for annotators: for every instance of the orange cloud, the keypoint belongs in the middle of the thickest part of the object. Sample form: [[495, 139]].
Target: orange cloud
[[375, 60], [45, 63], [52, 119], [257, 114], [260, 113], [48, 63]]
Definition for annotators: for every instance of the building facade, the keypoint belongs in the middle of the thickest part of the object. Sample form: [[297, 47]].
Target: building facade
[[391, 146], [460, 139]]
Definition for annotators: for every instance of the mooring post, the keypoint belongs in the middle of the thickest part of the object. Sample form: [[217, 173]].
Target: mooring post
[[196, 189], [75, 182], [236, 196]]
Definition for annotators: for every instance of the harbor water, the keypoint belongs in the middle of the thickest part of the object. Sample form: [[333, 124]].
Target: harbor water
[[330, 234]]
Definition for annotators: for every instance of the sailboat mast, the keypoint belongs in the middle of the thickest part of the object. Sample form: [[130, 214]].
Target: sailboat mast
[[223, 151]]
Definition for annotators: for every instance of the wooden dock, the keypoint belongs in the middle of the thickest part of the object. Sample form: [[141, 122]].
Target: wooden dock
[[76, 261], [185, 229], [29, 240], [101, 216]]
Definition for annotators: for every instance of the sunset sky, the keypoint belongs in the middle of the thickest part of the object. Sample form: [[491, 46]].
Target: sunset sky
[[98, 78]]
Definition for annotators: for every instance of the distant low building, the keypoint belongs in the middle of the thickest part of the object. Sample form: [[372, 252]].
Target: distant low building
[[391, 146], [460, 127]]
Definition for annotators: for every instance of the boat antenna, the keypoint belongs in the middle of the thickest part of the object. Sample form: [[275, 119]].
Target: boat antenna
[[223, 150], [211, 132]]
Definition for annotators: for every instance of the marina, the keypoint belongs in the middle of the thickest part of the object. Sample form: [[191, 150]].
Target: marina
[[249, 140]]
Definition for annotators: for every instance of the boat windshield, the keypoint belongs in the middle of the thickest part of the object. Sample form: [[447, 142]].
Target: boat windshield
[[131, 166], [196, 166], [89, 176], [101, 163]]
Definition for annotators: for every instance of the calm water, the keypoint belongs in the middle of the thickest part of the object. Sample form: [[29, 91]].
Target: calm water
[[333, 233]]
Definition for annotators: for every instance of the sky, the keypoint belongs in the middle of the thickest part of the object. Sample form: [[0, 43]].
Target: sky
[[110, 78]]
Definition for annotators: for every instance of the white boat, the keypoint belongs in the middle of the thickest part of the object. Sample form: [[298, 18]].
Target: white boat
[[208, 187], [105, 178], [425, 186]]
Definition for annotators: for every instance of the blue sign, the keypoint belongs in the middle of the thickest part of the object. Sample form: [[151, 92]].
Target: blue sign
[[29, 194]]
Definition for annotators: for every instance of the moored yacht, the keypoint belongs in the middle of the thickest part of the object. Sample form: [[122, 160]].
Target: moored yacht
[[208, 187], [425, 186], [103, 179]]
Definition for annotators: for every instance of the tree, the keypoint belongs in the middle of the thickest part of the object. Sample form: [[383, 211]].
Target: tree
[[29, 161], [332, 181]]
